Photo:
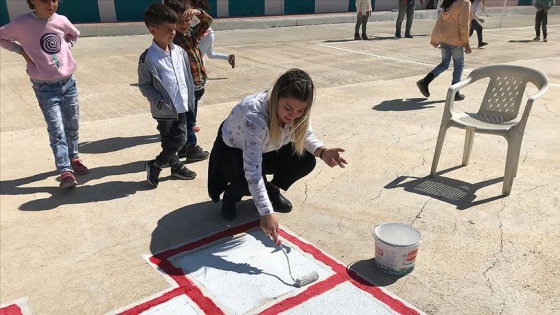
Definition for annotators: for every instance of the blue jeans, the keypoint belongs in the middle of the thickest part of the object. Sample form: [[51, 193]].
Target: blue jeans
[[448, 51], [191, 119], [407, 8], [59, 103]]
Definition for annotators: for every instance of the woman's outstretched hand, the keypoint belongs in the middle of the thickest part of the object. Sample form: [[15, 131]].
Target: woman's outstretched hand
[[332, 157], [269, 225]]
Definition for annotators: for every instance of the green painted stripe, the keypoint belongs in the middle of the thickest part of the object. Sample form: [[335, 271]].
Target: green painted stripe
[[4, 16], [525, 2], [84, 11], [131, 10], [299, 6], [246, 8]]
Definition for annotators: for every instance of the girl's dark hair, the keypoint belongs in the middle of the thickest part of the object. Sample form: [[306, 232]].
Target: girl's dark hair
[[446, 4], [30, 5], [157, 14], [176, 5], [201, 4]]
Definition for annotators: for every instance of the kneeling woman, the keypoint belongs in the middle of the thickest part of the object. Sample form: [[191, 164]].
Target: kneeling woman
[[267, 133]]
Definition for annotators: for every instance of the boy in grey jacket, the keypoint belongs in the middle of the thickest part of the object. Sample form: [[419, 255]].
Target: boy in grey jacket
[[164, 78]]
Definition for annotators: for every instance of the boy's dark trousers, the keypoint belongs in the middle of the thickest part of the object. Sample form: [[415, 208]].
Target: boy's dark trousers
[[191, 120], [286, 166], [541, 19], [173, 137], [475, 26]]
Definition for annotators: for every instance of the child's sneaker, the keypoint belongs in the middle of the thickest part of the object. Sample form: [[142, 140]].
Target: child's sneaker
[[459, 96], [482, 44], [78, 167], [231, 60], [67, 180], [193, 154], [183, 173], [545, 40], [537, 38], [153, 173]]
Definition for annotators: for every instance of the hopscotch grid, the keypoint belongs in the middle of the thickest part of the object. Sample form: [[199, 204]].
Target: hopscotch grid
[[342, 274]]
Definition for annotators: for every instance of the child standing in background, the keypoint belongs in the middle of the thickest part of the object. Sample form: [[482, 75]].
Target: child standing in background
[[188, 39], [44, 39], [206, 45], [541, 18], [164, 78], [476, 21]]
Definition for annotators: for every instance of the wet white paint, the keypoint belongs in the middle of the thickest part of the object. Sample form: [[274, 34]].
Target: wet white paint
[[248, 272], [180, 305], [341, 299]]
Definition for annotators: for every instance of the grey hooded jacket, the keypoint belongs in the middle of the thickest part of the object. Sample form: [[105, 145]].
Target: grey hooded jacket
[[151, 87]]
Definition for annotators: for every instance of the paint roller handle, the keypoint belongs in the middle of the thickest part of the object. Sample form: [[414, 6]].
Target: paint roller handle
[[269, 225]]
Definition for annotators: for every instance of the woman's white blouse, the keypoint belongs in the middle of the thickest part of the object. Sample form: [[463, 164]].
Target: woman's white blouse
[[246, 128]]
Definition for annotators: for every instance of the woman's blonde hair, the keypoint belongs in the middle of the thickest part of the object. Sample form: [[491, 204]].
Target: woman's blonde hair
[[296, 84]]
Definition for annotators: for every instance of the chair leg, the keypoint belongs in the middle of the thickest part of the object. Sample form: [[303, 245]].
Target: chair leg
[[512, 159], [469, 139], [439, 146]]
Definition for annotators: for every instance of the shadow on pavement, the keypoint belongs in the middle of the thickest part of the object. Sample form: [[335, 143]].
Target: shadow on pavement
[[456, 192], [521, 41], [193, 222], [115, 144], [367, 270], [405, 104], [82, 193]]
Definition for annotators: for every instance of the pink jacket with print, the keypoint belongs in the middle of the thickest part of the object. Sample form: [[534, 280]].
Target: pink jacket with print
[[452, 26]]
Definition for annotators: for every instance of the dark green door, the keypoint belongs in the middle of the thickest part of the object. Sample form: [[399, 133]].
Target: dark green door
[[299, 6], [246, 7], [130, 10], [85, 11]]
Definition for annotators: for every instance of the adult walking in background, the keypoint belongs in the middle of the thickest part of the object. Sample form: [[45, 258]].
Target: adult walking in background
[[476, 21], [405, 7], [451, 33], [541, 18], [267, 133], [363, 8]]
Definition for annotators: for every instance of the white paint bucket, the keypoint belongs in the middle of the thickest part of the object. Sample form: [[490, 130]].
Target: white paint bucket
[[396, 247]]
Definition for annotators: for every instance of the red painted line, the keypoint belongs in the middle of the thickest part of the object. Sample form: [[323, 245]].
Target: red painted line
[[12, 309], [154, 302], [341, 275], [350, 275], [205, 303], [207, 240], [313, 291]]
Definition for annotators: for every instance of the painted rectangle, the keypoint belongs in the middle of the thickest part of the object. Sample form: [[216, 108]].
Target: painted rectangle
[[17, 307], [299, 6], [180, 305], [339, 300], [231, 268], [246, 8], [274, 7], [222, 8], [131, 10], [107, 11], [213, 4]]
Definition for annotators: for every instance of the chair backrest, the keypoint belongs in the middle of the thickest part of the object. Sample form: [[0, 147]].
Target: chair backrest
[[506, 88]]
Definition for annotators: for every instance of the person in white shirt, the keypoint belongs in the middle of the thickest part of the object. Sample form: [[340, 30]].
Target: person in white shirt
[[267, 133], [476, 22]]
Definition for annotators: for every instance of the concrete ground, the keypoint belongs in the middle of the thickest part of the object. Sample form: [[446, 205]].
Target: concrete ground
[[80, 251]]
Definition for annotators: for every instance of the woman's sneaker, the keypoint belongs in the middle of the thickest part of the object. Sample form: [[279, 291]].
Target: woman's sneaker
[[67, 180], [231, 60], [183, 173]]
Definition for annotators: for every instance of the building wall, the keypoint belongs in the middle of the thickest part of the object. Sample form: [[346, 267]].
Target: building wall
[[95, 11]]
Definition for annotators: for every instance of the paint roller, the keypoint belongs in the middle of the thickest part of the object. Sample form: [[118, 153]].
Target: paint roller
[[301, 281]]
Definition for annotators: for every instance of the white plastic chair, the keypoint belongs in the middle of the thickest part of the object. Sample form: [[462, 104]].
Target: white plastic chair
[[497, 115]]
